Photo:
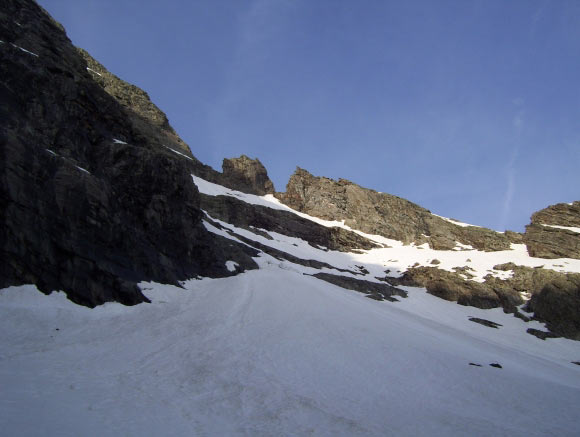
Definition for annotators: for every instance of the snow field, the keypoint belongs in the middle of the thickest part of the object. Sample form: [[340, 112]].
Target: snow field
[[272, 352]]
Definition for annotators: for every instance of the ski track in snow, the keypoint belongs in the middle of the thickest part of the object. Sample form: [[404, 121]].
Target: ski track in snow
[[276, 352]]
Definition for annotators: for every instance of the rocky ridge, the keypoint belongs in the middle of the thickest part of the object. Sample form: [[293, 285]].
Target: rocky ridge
[[243, 174], [151, 120], [382, 214], [555, 232], [247, 175]]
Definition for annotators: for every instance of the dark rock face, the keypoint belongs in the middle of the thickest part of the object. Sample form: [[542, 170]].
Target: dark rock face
[[558, 305], [247, 175], [276, 253], [144, 113], [550, 242], [242, 174], [91, 201], [383, 214], [244, 215]]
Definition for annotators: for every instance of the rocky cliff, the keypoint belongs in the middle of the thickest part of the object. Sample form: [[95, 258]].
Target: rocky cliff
[[555, 232], [144, 113], [382, 214], [92, 200]]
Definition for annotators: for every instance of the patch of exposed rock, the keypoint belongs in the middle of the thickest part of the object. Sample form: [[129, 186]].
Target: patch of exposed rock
[[485, 322], [383, 214], [373, 290], [91, 202], [545, 241], [451, 286], [555, 296]]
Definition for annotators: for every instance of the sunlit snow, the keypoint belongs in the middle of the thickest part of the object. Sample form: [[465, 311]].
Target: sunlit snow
[[24, 50], [456, 222], [178, 153], [567, 228], [93, 71]]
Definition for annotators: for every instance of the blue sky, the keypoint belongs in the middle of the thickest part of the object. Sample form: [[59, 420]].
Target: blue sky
[[468, 108]]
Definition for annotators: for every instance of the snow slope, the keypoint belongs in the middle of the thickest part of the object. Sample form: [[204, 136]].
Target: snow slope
[[272, 352], [277, 352]]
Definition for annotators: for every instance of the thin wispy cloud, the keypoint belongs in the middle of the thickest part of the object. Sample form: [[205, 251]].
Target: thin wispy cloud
[[518, 126]]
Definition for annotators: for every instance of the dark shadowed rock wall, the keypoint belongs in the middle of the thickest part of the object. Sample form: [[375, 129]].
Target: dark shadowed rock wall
[[91, 198]]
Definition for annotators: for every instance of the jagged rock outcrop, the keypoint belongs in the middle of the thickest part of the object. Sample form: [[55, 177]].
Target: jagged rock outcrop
[[91, 200], [383, 214], [451, 286], [247, 175], [545, 237], [554, 300]]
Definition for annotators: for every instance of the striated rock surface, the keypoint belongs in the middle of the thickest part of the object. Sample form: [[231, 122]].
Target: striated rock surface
[[546, 237], [382, 214], [91, 200]]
